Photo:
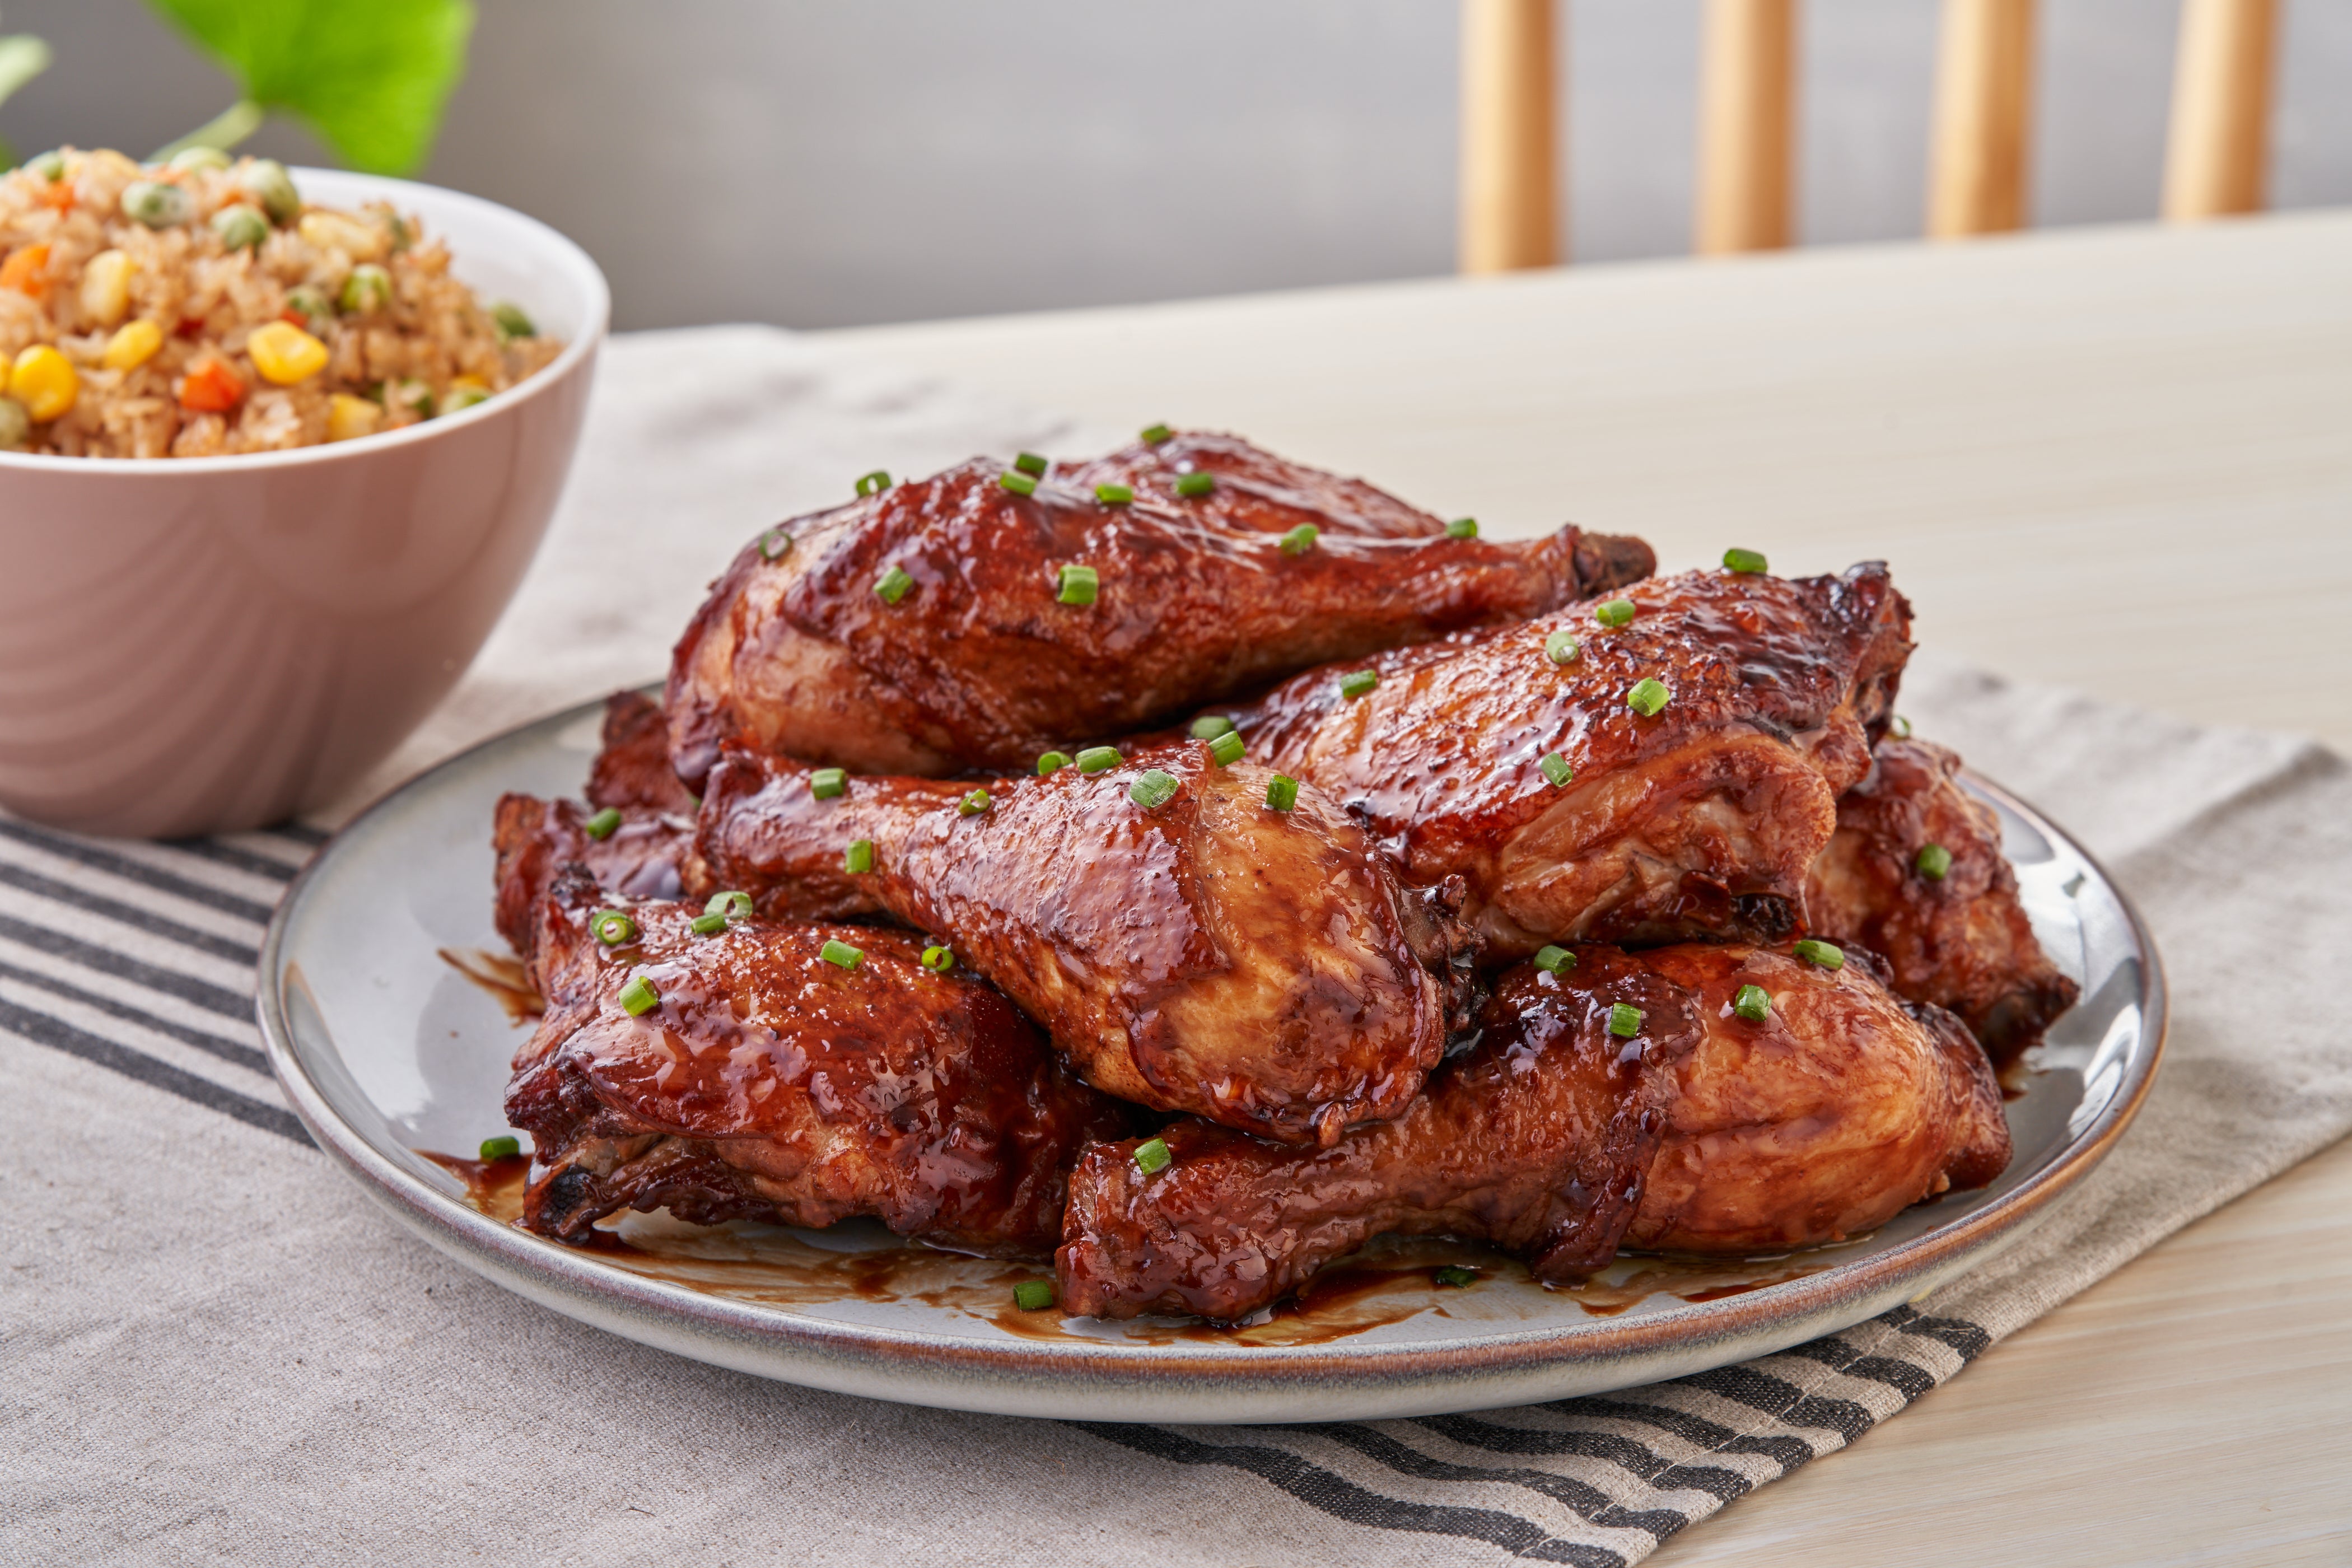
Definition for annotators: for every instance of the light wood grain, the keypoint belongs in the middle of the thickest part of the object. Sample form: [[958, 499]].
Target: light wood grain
[[1510, 135], [2218, 163], [1747, 115], [2117, 459], [1984, 96]]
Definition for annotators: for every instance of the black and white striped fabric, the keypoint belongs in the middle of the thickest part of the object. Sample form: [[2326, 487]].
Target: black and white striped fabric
[[140, 959]]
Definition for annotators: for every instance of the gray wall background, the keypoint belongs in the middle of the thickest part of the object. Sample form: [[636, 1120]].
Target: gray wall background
[[829, 163]]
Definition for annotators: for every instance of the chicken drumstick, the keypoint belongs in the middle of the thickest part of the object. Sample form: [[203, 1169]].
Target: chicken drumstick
[[1186, 946], [1623, 1102], [951, 623], [1665, 771]]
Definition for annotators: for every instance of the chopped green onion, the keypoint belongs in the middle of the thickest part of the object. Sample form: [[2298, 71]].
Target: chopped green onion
[[612, 927], [1226, 749], [1019, 484], [49, 165], [1359, 683], [858, 859], [873, 484], [1933, 861], [1209, 726], [1281, 791], [1615, 613], [1115, 495], [974, 804], [1561, 647], [1899, 727], [1752, 1003], [1554, 768], [1825, 954], [1454, 1277], [735, 905], [708, 925], [1193, 486], [939, 960], [1625, 1020], [1076, 586], [1648, 696], [1033, 1295], [1300, 540], [1554, 960], [638, 997], [1151, 1157], [827, 783], [504, 1147], [893, 585], [1462, 528], [1155, 434], [603, 825], [840, 954], [512, 324], [1153, 790], [1095, 759], [775, 544], [1052, 762], [1030, 463], [1745, 561]]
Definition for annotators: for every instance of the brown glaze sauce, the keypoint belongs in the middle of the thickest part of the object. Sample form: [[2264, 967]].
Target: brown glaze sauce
[[502, 976], [1388, 1281]]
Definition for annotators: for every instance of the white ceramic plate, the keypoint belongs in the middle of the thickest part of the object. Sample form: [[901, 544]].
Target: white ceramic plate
[[389, 1052]]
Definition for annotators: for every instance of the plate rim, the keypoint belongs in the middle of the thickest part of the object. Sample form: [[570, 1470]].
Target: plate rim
[[1040, 1378]]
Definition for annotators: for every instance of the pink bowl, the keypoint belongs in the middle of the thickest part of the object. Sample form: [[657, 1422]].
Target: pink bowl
[[215, 643]]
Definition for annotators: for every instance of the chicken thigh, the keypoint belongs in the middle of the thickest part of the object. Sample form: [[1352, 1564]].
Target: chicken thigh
[[1187, 947], [1621, 1102], [949, 624], [1663, 770]]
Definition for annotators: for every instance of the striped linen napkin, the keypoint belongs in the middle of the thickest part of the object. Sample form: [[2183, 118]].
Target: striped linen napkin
[[216, 1349]]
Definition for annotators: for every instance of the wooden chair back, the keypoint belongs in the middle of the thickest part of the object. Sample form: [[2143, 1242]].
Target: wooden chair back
[[2216, 160]]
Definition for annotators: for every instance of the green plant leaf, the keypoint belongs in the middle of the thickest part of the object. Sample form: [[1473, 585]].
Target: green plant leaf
[[370, 76], [22, 57]]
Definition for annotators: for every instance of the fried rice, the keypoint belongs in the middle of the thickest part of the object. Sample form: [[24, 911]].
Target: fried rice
[[201, 309]]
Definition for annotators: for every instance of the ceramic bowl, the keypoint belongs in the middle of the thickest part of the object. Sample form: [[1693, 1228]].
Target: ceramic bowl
[[194, 645]]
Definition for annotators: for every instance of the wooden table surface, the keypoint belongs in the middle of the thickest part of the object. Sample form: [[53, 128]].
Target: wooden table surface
[[2117, 458]]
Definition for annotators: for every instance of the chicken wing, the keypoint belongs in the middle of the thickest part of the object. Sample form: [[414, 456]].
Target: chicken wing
[[934, 627], [1517, 758], [1571, 1130], [1190, 949], [1958, 938], [769, 1081]]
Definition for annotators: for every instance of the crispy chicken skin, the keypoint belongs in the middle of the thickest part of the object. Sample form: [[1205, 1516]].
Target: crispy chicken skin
[[979, 665], [1259, 968], [1963, 942], [632, 771], [772, 1085], [1254, 490], [1702, 820], [1559, 1141], [535, 838]]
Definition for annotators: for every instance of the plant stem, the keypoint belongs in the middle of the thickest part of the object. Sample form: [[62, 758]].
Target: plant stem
[[222, 132]]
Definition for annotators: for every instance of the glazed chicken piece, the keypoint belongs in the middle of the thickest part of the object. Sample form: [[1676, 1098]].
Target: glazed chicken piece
[[632, 771], [768, 1083], [1961, 940], [931, 628], [1561, 1140], [1251, 487], [641, 859], [1194, 950], [1701, 818]]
